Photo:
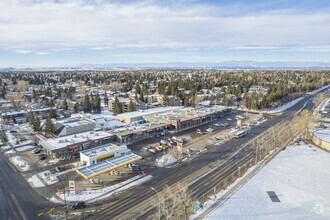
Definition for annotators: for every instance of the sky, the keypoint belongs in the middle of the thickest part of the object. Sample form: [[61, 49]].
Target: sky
[[75, 32]]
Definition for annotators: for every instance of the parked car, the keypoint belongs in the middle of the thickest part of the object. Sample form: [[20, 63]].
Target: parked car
[[218, 138], [216, 125], [159, 148], [210, 130], [136, 168], [151, 149], [59, 169], [42, 157], [76, 155], [78, 205], [229, 119], [13, 131], [36, 151]]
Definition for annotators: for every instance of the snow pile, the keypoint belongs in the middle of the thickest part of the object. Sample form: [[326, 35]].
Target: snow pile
[[130, 185], [285, 106], [92, 194], [54, 160], [25, 148], [165, 160], [18, 161], [317, 90], [6, 147], [12, 151], [35, 181], [299, 179], [48, 177]]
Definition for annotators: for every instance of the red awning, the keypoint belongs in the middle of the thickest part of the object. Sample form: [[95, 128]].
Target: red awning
[[73, 147]]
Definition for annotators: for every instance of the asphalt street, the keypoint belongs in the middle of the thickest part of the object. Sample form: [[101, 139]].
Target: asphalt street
[[17, 199]]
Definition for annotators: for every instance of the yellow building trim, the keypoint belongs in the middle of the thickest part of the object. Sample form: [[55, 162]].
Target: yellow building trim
[[100, 158]]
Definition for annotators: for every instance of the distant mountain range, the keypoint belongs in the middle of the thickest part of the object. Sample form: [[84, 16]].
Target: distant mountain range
[[233, 65]]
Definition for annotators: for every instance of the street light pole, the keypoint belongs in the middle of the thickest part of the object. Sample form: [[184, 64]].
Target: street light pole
[[158, 202], [66, 214]]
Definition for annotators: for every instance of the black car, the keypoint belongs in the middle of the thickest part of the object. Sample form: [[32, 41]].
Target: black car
[[37, 151], [42, 157], [59, 169], [78, 205], [13, 131]]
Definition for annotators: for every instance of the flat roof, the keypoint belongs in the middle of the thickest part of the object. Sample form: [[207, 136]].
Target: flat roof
[[108, 165], [323, 135], [74, 122], [139, 128], [62, 142], [147, 112], [102, 149]]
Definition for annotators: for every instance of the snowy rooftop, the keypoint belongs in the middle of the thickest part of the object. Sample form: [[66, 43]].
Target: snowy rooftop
[[61, 142], [147, 112], [105, 148], [74, 122], [108, 165], [323, 135]]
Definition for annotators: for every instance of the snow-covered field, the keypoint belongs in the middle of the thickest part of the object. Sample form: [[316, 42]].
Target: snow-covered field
[[35, 181], [299, 176], [18, 161], [165, 160]]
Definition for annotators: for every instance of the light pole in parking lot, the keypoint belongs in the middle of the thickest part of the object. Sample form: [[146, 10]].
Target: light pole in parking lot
[[158, 202], [66, 213]]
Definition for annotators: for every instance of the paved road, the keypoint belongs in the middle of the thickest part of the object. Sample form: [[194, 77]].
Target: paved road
[[133, 203], [17, 199]]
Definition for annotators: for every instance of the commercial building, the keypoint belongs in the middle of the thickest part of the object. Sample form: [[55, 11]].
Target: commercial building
[[322, 139], [72, 144], [101, 153], [74, 126]]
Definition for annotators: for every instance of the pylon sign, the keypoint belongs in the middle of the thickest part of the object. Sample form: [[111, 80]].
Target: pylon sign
[[72, 187]]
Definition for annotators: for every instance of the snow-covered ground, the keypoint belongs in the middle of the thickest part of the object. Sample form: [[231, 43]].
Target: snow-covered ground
[[48, 177], [93, 194], [299, 177], [6, 147], [12, 151], [285, 106], [28, 147], [166, 160], [35, 181], [20, 162], [317, 90]]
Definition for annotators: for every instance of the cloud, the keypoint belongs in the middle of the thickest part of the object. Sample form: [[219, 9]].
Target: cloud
[[43, 27]]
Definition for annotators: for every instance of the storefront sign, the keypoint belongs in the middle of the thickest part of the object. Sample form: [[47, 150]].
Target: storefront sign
[[106, 138], [86, 143], [73, 147]]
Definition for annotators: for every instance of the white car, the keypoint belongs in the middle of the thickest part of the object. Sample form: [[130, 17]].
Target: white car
[[229, 119], [210, 130], [216, 125]]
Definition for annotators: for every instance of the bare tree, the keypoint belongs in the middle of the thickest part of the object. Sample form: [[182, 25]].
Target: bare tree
[[175, 201], [22, 85], [302, 122]]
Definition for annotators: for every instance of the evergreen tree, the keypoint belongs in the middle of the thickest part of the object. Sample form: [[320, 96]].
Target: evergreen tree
[[98, 104], [75, 108], [49, 127], [141, 96], [130, 106], [218, 97], [87, 104], [36, 124], [3, 136], [65, 105], [116, 106], [212, 99], [106, 99], [225, 100], [165, 100]]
